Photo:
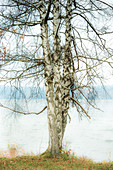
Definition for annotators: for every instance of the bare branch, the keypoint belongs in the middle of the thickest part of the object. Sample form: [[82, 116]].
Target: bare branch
[[25, 113], [80, 107]]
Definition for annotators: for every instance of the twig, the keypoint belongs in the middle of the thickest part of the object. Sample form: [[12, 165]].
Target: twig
[[27, 113], [80, 107]]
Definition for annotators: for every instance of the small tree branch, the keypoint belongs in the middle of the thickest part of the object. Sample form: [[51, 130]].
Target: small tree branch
[[25, 113], [105, 3], [80, 107], [48, 11]]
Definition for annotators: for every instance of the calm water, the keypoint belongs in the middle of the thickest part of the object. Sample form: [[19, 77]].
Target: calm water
[[92, 138]]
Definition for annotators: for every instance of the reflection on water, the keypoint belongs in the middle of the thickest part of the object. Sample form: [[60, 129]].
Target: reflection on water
[[92, 138]]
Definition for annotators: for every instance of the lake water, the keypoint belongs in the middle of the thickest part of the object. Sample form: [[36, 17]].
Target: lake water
[[92, 138]]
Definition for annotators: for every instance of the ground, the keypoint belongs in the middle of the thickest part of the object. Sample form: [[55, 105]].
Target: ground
[[42, 162]]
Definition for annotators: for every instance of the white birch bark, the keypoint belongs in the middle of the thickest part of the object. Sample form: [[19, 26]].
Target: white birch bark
[[57, 104], [56, 69], [67, 80], [53, 137]]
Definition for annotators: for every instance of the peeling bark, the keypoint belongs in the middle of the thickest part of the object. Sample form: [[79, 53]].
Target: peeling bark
[[56, 70], [67, 80], [57, 91], [53, 136]]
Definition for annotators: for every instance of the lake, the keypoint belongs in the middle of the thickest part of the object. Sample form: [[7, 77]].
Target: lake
[[91, 138]]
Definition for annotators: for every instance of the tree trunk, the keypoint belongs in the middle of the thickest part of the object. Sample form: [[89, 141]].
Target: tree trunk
[[67, 80], [56, 70], [57, 103], [53, 135]]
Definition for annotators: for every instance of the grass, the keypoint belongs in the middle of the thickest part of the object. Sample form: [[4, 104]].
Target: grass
[[41, 162], [11, 160]]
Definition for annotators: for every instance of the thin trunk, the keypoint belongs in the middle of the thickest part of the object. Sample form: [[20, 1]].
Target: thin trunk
[[67, 78], [53, 136], [56, 70]]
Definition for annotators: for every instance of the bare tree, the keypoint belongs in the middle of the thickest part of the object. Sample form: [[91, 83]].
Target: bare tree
[[64, 43]]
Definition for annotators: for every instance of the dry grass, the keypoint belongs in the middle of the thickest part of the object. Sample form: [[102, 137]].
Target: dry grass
[[11, 159], [14, 151]]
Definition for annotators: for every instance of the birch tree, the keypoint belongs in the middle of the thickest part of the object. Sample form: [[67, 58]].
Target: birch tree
[[66, 44]]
